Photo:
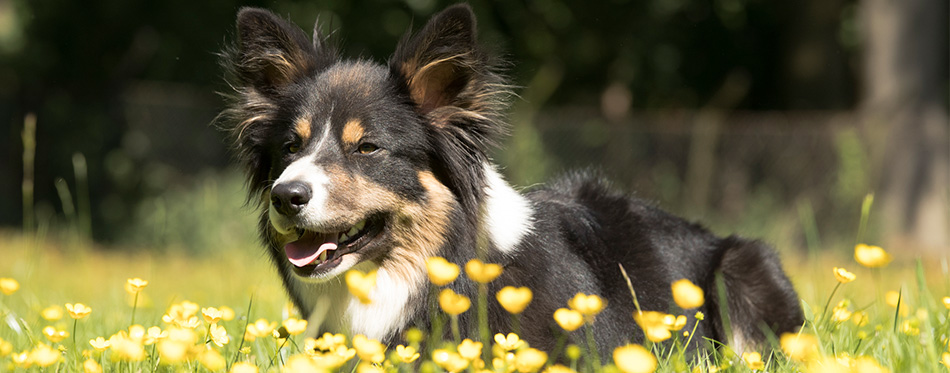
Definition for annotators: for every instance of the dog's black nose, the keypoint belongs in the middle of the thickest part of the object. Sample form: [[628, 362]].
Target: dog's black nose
[[289, 198]]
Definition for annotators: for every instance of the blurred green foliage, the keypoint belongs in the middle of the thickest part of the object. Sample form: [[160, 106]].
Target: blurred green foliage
[[131, 86]]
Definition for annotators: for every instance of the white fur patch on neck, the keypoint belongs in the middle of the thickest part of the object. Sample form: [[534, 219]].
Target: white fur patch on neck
[[388, 311], [339, 311], [506, 214]]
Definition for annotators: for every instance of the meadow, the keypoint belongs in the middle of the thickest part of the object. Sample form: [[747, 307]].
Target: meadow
[[68, 305]]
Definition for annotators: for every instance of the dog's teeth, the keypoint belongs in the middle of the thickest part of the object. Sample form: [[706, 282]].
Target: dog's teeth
[[323, 257], [343, 237], [359, 226], [352, 231]]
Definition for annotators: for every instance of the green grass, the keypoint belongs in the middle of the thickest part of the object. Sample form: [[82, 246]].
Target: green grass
[[53, 272]]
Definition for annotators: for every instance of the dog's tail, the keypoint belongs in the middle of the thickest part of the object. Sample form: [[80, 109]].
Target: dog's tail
[[760, 301]]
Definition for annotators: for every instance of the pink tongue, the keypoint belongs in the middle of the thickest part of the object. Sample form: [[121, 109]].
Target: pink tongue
[[309, 246]]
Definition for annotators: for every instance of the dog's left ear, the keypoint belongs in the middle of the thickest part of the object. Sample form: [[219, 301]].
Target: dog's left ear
[[440, 63]]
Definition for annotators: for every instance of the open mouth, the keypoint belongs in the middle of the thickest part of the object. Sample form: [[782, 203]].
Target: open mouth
[[318, 252]]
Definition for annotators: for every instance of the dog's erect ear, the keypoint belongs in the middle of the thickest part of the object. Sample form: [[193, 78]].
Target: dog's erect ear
[[440, 62], [273, 52]]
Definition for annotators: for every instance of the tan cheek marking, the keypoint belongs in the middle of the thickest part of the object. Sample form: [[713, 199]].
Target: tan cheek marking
[[352, 132], [352, 198], [302, 127], [419, 230]]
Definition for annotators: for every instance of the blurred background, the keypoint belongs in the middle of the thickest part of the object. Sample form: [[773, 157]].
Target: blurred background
[[766, 118]]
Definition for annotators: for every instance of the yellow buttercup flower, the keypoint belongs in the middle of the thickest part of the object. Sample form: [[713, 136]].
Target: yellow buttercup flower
[[514, 300], [54, 335], [44, 355], [452, 303], [441, 271], [841, 312], [261, 328], [244, 367], [406, 354], [219, 335], [154, 334], [227, 313], [687, 295], [656, 325], [799, 347], [212, 360], [78, 310], [842, 275], [860, 318], [295, 326], [753, 360], [530, 360], [945, 359], [569, 320], [871, 256], [100, 344], [587, 305], [52, 313], [470, 350], [211, 314], [360, 284], [91, 366], [5, 348], [135, 285], [369, 349], [482, 272], [508, 342], [367, 367], [124, 348], [22, 359], [300, 364], [677, 323], [946, 302], [448, 360], [327, 342], [9, 286], [633, 358]]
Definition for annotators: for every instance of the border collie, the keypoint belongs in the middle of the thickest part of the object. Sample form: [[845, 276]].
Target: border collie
[[358, 164]]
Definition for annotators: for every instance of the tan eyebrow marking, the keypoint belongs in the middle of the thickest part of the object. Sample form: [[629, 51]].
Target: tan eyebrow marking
[[352, 131], [302, 127]]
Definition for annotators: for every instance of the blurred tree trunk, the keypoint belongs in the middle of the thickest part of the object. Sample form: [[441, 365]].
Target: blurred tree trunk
[[904, 107]]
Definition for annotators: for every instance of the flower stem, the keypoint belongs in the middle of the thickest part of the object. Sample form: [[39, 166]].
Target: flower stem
[[75, 321], [592, 354], [135, 304], [455, 329], [828, 303], [558, 347], [483, 320]]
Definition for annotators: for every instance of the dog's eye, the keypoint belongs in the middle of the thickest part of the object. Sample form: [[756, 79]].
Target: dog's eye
[[293, 147], [367, 148]]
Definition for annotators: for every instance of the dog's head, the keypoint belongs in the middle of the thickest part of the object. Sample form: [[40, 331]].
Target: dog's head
[[356, 161]]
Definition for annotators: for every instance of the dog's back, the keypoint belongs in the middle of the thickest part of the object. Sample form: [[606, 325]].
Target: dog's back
[[584, 231]]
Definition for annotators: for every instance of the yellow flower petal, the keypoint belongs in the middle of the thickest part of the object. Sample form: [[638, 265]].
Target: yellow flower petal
[[842, 275], [508, 342], [514, 300], [569, 320], [753, 360], [633, 358], [295, 326], [687, 295], [9, 286], [871, 256], [407, 354], [135, 285], [799, 347], [482, 272], [441, 272], [360, 284], [452, 303], [78, 310], [369, 349], [91, 366], [470, 350], [587, 305], [530, 360]]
